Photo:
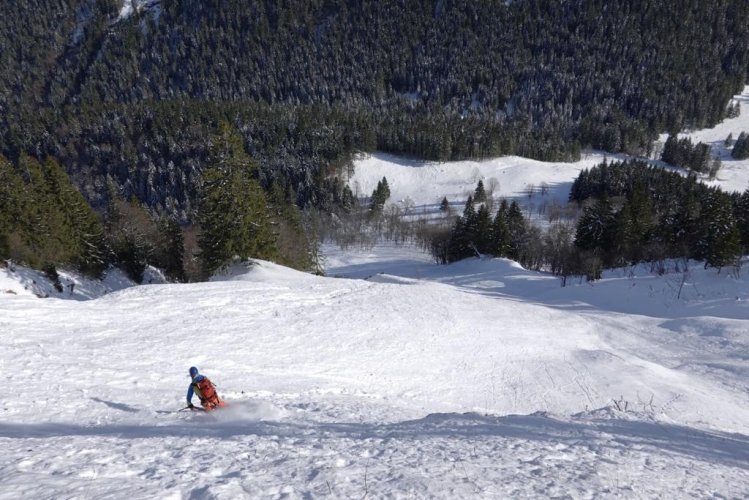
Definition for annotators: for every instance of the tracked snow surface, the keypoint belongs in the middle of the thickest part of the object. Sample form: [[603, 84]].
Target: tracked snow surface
[[393, 377], [475, 380]]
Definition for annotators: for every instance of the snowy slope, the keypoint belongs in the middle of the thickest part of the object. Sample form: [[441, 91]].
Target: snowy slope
[[409, 380], [391, 387], [426, 183]]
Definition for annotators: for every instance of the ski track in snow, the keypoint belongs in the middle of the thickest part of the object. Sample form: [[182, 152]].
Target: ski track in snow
[[407, 380], [441, 455], [345, 387]]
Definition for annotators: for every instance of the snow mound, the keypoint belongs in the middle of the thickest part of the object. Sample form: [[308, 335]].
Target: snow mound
[[388, 278], [256, 270]]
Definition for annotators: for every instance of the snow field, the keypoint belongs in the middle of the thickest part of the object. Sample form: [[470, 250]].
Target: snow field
[[474, 380], [395, 387], [424, 184]]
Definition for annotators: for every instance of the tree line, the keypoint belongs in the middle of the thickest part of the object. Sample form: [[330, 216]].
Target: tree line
[[307, 83], [635, 212], [631, 213], [129, 107], [46, 223]]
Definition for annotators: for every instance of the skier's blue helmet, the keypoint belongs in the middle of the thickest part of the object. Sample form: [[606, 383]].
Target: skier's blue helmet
[[193, 371]]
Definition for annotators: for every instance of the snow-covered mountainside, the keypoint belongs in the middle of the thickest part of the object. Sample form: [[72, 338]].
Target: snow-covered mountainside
[[426, 183], [477, 379], [391, 378]]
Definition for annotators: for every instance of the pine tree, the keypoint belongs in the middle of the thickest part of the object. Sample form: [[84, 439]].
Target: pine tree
[[733, 110], [170, 252], [11, 204], [595, 226], [348, 201], [517, 229], [44, 220], [233, 212], [4, 245], [295, 247], [39, 215], [720, 241], [80, 225], [461, 243], [742, 217], [385, 187], [482, 236], [379, 196], [740, 149], [671, 152], [133, 239], [479, 195], [500, 233], [726, 250], [681, 225], [635, 227], [444, 205], [699, 158]]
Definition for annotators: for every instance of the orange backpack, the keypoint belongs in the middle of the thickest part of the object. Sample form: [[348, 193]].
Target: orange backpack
[[207, 393]]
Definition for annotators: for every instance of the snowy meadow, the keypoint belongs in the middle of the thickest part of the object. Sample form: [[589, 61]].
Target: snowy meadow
[[391, 377]]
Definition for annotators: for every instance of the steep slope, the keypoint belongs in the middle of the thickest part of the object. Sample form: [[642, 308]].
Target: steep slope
[[392, 386]]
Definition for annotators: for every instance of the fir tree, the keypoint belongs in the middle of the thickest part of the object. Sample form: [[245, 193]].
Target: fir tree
[[233, 212], [461, 244], [500, 233], [385, 187], [720, 240], [517, 229], [170, 250], [444, 205], [379, 196], [348, 201], [594, 229], [482, 231], [636, 223], [740, 149], [479, 195]]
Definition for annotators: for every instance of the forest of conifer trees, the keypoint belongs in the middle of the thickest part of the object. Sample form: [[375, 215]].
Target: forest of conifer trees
[[130, 108]]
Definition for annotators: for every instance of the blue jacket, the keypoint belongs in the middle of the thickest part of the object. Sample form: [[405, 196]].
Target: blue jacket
[[190, 390]]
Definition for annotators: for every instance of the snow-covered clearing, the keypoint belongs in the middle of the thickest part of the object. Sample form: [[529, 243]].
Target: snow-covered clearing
[[391, 378], [422, 185]]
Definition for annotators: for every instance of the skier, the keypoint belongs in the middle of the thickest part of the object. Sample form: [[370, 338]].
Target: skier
[[204, 389]]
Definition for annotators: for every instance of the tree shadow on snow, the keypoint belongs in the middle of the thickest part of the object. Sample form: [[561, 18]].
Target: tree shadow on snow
[[715, 447]]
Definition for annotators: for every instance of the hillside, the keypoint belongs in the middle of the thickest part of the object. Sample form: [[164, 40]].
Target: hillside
[[476, 379], [391, 376], [133, 90], [426, 183]]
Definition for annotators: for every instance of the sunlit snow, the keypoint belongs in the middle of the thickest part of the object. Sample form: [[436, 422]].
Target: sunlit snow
[[393, 377], [129, 7]]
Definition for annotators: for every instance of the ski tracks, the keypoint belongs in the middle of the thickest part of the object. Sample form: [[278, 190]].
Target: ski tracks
[[317, 445]]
